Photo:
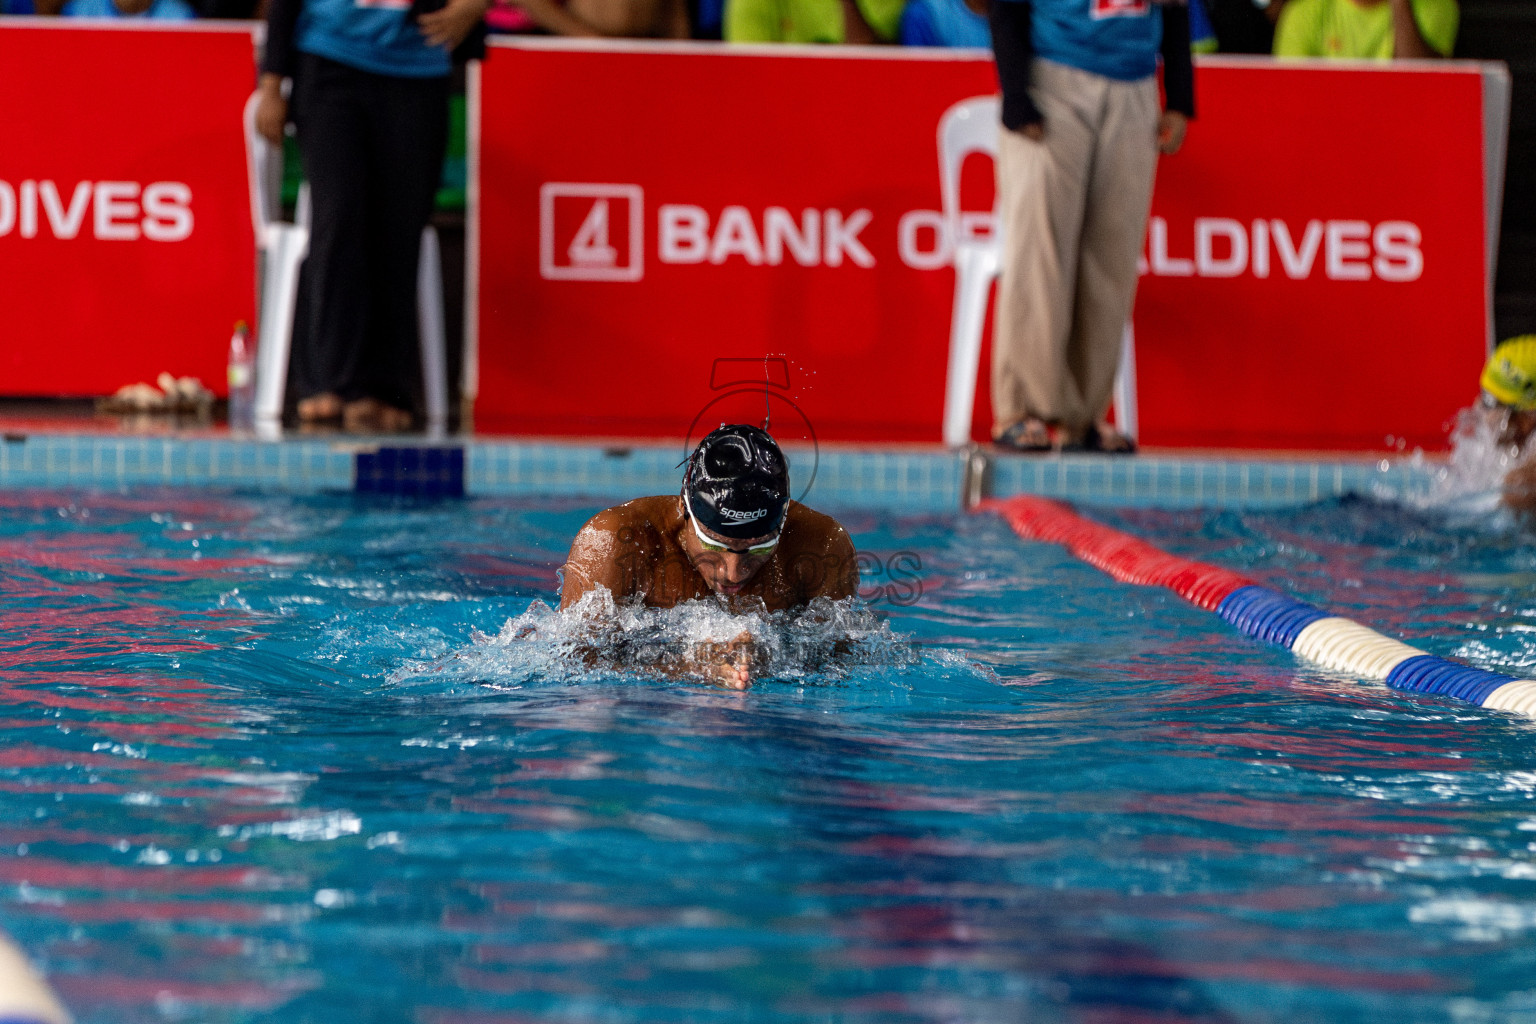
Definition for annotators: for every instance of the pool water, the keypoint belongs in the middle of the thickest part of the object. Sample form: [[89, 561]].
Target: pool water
[[283, 759]]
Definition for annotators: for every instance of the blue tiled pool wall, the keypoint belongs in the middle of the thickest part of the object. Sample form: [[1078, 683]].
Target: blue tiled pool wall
[[89, 460], [909, 480]]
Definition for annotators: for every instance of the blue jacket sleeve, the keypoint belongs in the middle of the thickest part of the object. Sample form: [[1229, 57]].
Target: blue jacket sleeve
[[917, 28]]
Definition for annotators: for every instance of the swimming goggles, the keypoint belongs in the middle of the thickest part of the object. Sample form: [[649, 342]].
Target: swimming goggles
[[755, 551]]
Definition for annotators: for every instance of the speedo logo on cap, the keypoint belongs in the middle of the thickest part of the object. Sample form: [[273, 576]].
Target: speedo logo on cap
[[743, 517]]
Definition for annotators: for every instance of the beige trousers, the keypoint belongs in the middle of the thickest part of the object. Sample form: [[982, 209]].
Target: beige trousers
[[1074, 212]]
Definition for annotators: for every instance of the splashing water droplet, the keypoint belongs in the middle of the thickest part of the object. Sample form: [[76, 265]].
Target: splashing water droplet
[[598, 639]]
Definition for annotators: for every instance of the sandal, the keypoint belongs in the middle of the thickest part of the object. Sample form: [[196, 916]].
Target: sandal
[[1103, 438], [1028, 435]]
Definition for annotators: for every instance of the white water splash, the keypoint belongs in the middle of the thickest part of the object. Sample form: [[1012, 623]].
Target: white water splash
[[597, 638], [1470, 483]]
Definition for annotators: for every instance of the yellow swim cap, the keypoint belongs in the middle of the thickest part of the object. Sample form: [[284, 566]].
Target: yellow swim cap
[[1510, 375]]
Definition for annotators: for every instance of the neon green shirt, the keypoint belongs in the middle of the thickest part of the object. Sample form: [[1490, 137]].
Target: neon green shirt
[[804, 21], [1344, 28]]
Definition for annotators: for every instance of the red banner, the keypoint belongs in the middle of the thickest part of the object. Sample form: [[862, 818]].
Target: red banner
[[735, 205], [1315, 273], [126, 245], [1316, 270]]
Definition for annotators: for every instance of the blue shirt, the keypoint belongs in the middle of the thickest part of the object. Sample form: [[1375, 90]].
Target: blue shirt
[[1113, 38], [943, 23], [164, 10], [370, 35], [1202, 34]]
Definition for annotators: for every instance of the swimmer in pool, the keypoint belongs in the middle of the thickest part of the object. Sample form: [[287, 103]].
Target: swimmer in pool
[[732, 534], [1509, 400]]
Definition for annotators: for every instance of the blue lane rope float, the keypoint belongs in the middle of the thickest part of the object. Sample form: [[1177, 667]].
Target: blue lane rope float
[[1337, 643], [1268, 615]]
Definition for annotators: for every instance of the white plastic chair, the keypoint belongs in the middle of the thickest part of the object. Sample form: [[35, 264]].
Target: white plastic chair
[[281, 249], [971, 126]]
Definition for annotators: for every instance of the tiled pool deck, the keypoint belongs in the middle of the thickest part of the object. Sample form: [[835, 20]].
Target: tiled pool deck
[[905, 479]]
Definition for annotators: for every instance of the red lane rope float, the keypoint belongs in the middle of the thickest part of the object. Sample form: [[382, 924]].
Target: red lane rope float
[[1126, 558]]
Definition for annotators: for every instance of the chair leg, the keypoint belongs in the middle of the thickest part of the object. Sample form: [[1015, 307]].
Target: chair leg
[[432, 331], [1125, 385], [286, 247], [974, 270]]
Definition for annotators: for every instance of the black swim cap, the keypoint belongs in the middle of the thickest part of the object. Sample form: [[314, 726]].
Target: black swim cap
[[737, 483]]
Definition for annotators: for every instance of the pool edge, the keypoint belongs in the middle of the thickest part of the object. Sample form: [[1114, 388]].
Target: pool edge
[[904, 478]]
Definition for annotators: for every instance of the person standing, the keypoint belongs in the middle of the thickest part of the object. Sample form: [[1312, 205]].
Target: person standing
[[370, 101], [945, 23], [1368, 29], [1082, 127]]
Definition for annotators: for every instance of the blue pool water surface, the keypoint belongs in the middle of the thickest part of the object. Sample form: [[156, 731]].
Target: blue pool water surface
[[283, 759]]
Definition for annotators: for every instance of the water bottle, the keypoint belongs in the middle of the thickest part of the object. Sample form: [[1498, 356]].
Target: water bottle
[[242, 379]]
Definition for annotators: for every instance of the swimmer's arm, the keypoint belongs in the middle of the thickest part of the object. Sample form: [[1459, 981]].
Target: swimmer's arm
[[839, 578], [598, 558], [1520, 487]]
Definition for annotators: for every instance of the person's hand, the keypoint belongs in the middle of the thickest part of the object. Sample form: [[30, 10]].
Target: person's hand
[[1034, 131], [448, 26], [734, 675], [1171, 127], [730, 664], [271, 109]]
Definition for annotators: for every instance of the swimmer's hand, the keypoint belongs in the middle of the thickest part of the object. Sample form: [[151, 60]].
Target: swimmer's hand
[[727, 664]]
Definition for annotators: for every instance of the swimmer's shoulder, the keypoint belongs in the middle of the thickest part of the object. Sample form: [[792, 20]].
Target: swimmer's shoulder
[[642, 522], [806, 530], [819, 554], [1519, 487], [608, 548]]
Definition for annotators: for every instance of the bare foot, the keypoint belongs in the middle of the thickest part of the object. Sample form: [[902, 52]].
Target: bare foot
[[369, 415], [319, 408], [392, 420]]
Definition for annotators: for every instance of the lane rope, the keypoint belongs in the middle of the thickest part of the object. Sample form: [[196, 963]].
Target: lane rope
[[1337, 643]]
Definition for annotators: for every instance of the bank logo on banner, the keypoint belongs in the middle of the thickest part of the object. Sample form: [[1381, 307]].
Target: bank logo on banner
[[591, 232]]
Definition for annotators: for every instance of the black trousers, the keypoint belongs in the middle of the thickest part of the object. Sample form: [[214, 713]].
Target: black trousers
[[372, 147]]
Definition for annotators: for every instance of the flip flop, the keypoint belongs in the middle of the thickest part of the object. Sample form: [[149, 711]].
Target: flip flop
[[1029, 435], [1108, 441]]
